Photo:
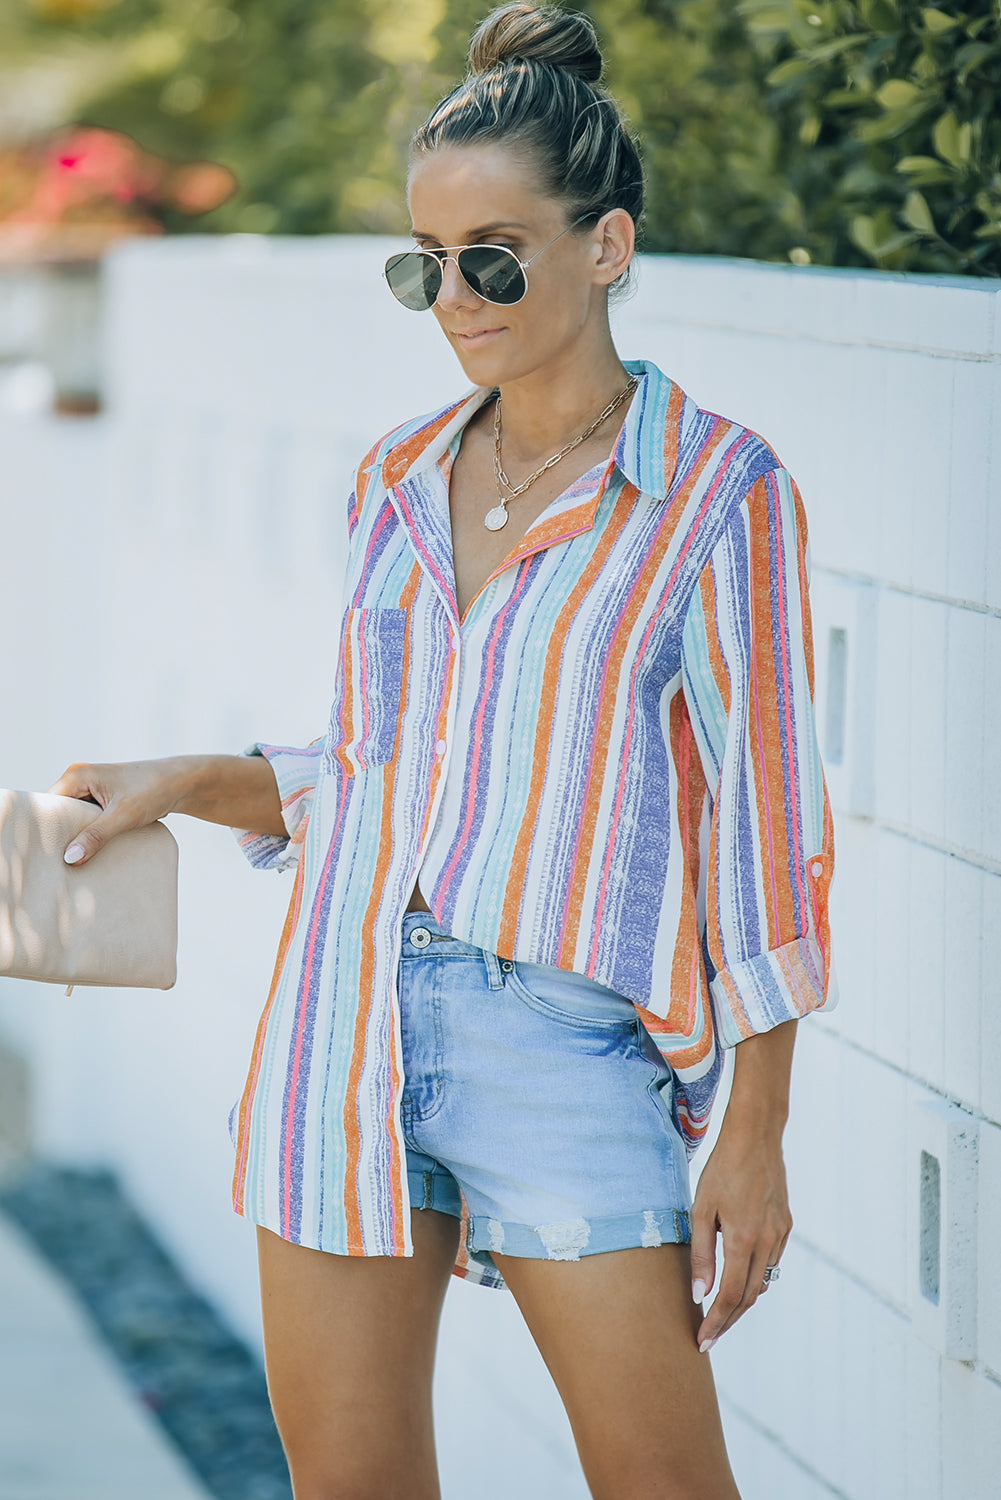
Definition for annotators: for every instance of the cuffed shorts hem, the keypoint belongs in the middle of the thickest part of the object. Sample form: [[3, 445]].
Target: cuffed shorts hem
[[569, 1239], [566, 1239]]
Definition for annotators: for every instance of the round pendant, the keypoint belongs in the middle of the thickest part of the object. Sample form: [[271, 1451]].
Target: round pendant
[[496, 518]]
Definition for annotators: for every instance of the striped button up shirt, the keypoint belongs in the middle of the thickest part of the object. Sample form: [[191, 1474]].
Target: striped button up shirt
[[609, 764]]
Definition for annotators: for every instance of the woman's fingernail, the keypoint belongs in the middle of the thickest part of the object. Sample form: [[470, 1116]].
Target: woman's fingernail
[[74, 854], [698, 1290], [704, 1348]]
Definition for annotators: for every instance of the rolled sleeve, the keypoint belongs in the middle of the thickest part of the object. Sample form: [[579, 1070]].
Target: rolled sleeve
[[747, 665], [296, 773]]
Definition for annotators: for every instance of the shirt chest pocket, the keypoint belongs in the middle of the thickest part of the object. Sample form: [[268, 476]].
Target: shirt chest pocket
[[365, 718]]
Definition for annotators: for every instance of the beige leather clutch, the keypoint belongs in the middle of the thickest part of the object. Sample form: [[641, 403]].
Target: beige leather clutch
[[112, 921]]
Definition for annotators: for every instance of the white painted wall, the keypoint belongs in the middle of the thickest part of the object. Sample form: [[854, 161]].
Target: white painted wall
[[169, 577]]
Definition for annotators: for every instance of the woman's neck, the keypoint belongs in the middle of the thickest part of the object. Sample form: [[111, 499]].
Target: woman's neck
[[547, 409]]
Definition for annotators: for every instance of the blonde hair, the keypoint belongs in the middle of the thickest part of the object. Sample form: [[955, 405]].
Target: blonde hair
[[533, 83]]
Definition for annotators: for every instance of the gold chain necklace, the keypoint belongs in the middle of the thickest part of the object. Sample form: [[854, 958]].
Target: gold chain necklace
[[497, 517]]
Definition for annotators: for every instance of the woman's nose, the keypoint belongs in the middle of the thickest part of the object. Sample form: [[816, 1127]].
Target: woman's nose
[[455, 291]]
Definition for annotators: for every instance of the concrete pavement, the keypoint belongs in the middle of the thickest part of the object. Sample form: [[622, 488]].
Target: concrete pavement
[[71, 1428]]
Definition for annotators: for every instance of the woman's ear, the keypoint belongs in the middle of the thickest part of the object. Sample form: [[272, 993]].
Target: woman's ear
[[615, 241]]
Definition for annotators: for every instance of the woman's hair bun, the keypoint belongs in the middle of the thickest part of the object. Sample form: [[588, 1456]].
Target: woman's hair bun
[[529, 33]]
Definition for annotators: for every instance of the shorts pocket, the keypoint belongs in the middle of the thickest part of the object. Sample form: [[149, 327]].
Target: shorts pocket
[[661, 1087], [365, 717], [571, 998]]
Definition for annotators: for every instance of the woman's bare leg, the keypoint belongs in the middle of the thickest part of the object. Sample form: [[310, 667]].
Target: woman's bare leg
[[617, 1332], [349, 1345]]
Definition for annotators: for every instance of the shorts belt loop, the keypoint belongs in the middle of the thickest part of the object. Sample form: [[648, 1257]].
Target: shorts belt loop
[[495, 978]]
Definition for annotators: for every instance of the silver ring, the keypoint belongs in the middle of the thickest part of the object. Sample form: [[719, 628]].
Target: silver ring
[[772, 1273]]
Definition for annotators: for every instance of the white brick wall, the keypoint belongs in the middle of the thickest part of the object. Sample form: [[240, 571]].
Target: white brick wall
[[883, 396], [162, 562]]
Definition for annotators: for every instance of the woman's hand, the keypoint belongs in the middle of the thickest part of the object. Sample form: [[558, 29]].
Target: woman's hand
[[131, 794], [742, 1193], [239, 791]]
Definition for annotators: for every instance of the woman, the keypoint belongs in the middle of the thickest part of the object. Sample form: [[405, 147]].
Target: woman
[[565, 839]]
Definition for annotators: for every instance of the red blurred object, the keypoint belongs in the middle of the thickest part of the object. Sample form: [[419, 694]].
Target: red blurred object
[[71, 197]]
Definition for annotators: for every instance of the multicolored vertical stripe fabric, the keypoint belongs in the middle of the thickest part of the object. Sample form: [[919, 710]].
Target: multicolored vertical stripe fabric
[[609, 764]]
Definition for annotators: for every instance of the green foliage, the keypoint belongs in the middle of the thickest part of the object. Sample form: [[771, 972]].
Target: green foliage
[[692, 81], [842, 132], [892, 111]]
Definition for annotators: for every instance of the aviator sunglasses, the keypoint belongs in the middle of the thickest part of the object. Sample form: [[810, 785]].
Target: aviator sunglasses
[[493, 272]]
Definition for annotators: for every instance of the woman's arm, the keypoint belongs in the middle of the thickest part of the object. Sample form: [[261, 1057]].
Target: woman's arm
[[742, 1190], [747, 655], [237, 790]]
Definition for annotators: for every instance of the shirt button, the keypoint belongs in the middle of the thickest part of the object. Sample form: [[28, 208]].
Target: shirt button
[[817, 868], [440, 748]]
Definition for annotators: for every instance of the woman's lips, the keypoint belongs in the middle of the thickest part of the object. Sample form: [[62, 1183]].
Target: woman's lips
[[477, 338]]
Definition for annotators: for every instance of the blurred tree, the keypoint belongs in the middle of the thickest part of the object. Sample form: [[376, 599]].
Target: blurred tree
[[693, 83], [311, 105], [842, 132]]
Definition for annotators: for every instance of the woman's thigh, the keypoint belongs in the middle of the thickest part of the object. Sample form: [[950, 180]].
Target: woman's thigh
[[617, 1331], [349, 1346]]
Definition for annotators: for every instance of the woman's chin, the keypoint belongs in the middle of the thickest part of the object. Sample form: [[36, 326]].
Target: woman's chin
[[477, 367], [489, 363]]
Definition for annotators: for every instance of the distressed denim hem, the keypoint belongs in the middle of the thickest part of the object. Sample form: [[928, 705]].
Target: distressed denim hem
[[569, 1239]]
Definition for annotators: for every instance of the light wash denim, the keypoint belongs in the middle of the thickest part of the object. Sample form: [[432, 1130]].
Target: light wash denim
[[540, 1098]]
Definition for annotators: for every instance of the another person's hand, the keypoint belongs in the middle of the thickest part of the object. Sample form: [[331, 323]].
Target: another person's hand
[[130, 794]]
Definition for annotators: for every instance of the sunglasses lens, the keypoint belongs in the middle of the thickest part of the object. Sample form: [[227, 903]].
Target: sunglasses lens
[[492, 273], [414, 279]]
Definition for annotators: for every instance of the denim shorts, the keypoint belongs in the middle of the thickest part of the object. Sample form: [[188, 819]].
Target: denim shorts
[[538, 1097]]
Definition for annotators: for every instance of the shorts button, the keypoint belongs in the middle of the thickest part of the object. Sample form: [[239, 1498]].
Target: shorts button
[[506, 965], [420, 937]]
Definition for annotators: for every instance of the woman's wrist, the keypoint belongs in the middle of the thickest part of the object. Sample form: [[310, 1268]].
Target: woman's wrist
[[239, 791], [184, 781], [752, 1119], [759, 1094]]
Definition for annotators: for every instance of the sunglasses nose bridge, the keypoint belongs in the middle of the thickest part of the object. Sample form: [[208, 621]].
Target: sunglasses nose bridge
[[454, 285]]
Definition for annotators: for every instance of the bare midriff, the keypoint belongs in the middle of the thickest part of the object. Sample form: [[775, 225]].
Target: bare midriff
[[417, 902]]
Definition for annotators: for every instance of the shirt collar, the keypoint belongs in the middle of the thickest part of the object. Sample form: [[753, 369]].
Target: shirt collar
[[646, 452], [418, 450]]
